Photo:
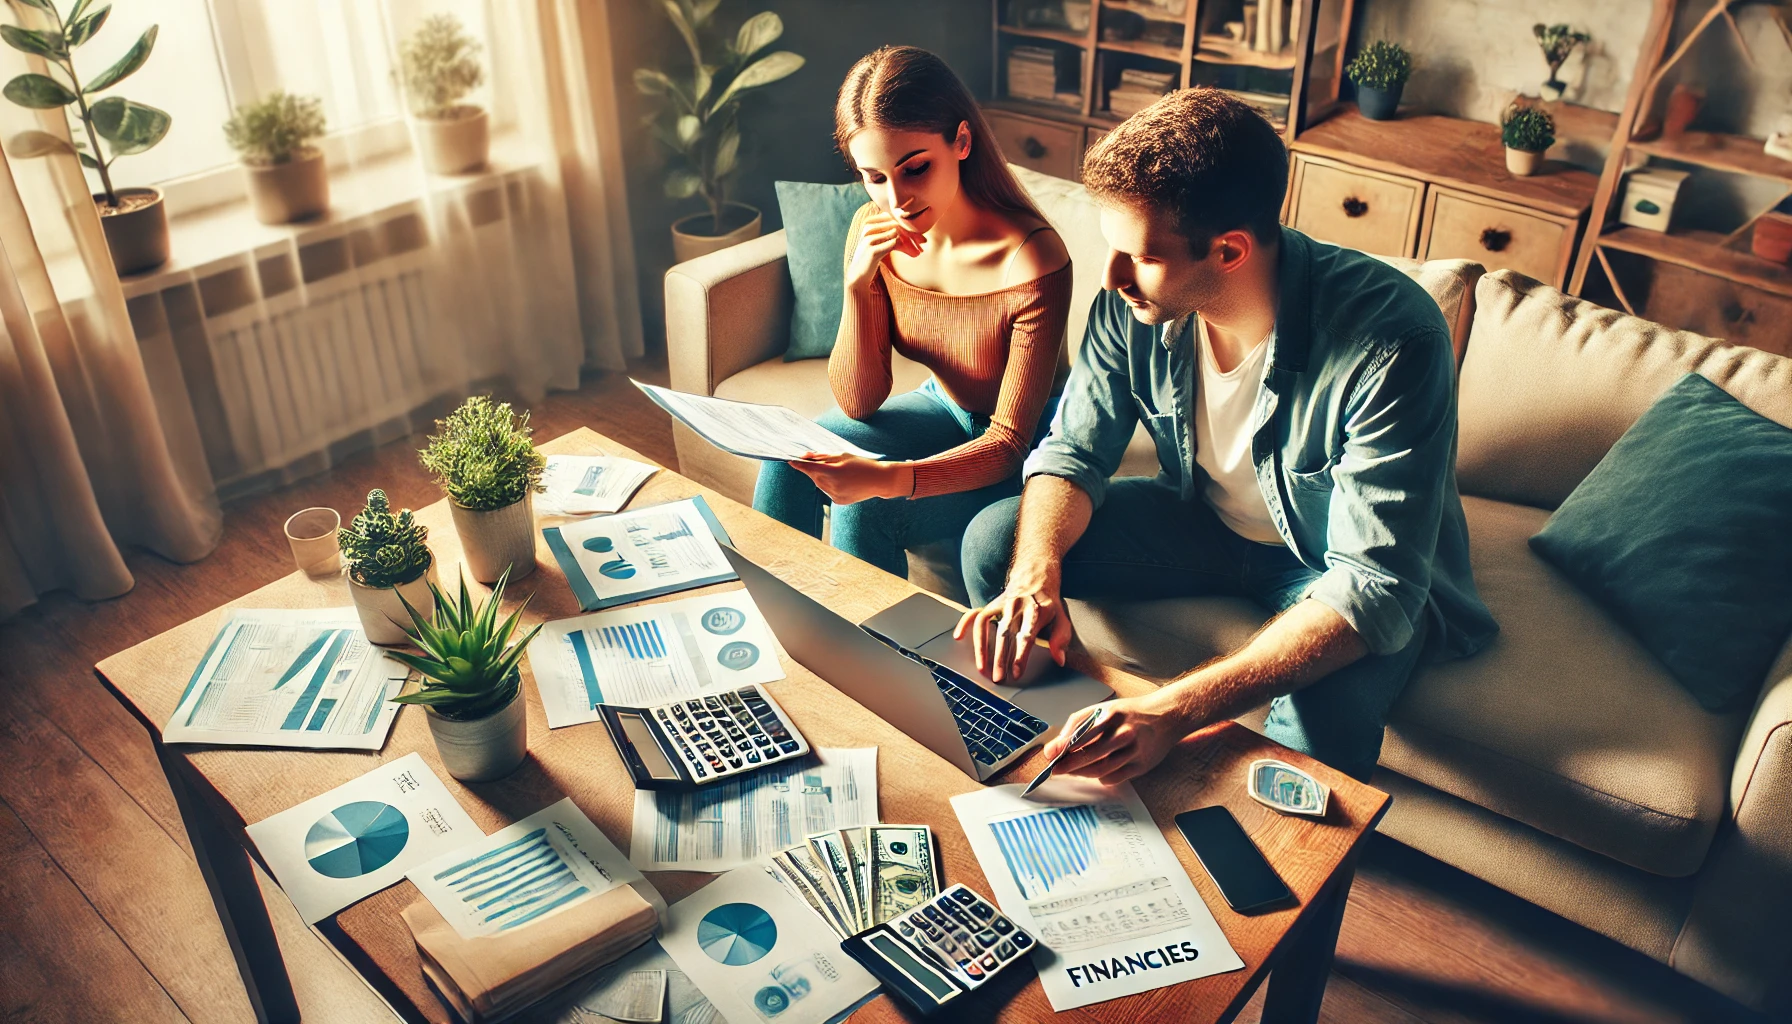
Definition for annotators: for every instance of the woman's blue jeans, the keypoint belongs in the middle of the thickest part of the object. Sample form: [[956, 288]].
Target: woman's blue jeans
[[907, 427]]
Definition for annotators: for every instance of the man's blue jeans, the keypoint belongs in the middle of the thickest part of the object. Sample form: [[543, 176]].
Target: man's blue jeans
[[1145, 542], [906, 427]]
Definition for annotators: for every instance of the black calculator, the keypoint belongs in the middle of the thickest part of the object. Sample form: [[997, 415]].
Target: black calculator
[[943, 949], [694, 741]]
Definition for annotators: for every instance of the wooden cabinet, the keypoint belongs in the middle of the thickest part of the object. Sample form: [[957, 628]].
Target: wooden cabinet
[[1044, 146], [1093, 135], [1360, 209], [1499, 236]]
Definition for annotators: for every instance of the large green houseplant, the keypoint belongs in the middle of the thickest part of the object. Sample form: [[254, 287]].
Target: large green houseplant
[[438, 66], [485, 459], [286, 173], [136, 225], [699, 117], [388, 565]]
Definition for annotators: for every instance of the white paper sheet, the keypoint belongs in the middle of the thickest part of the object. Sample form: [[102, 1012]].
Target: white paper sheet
[[614, 993], [649, 654], [528, 871], [290, 678], [644, 552], [362, 836], [579, 485], [727, 824], [1088, 872], [767, 432], [759, 955]]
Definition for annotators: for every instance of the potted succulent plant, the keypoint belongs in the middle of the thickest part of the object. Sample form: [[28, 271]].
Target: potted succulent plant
[[1380, 71], [699, 121], [484, 459], [134, 220], [1527, 132], [287, 178], [389, 565], [438, 65], [471, 683], [1557, 43]]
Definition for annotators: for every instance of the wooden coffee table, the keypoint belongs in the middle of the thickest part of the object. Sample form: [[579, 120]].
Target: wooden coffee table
[[222, 789]]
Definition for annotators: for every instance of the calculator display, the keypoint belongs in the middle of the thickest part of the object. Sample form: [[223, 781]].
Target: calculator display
[[893, 952], [646, 747]]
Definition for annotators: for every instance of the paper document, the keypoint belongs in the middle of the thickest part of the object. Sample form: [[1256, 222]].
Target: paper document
[[649, 654], [759, 955], [362, 836], [770, 433], [551, 860], [1088, 872], [644, 987], [579, 485], [726, 824], [644, 552], [290, 678]]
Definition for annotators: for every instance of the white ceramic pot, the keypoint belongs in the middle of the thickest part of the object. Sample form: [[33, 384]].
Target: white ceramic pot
[[383, 617], [689, 246], [294, 190], [499, 539], [1553, 90], [455, 144], [484, 748], [1521, 163]]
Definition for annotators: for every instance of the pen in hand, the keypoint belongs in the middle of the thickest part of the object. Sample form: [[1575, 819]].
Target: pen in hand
[[1082, 731]]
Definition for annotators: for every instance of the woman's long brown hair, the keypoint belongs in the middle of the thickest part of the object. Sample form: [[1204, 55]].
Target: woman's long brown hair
[[908, 89]]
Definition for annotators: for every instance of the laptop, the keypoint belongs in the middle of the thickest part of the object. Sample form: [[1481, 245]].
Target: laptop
[[903, 665]]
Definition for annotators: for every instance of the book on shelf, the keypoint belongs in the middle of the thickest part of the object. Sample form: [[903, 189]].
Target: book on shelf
[[1033, 75], [1138, 89]]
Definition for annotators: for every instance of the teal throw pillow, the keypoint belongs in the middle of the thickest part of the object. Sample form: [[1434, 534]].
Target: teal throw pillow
[[1683, 532], [816, 219]]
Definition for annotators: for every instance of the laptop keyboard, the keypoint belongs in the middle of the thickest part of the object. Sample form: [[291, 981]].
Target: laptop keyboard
[[992, 727]]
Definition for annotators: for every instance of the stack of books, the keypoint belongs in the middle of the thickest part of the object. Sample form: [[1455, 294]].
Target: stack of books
[[1033, 75], [1137, 90]]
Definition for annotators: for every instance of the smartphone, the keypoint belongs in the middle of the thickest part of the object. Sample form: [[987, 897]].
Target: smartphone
[[1236, 865]]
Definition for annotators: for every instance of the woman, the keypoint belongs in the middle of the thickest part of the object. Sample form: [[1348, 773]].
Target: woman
[[951, 265]]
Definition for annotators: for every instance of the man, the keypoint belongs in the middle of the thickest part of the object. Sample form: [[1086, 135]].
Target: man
[[1302, 401]]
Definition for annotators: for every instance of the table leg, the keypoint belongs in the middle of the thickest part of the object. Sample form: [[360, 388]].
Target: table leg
[[231, 879], [1297, 984]]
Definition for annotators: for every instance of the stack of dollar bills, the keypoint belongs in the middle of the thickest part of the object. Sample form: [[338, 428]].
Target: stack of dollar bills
[[855, 878]]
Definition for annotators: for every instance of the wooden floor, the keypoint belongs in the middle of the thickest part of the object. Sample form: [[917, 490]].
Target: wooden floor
[[104, 916]]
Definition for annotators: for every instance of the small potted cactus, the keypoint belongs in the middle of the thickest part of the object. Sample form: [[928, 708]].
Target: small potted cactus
[[438, 66], [484, 459], [1380, 71], [1527, 132], [287, 177], [388, 565], [472, 683]]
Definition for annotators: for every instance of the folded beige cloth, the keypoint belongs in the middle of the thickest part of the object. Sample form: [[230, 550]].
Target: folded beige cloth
[[489, 978]]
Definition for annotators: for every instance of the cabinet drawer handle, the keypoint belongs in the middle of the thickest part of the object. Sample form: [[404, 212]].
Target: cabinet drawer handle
[[1495, 239], [1354, 207], [1032, 147]]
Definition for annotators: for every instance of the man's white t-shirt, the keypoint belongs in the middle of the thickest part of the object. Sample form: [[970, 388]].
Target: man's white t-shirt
[[1224, 403]]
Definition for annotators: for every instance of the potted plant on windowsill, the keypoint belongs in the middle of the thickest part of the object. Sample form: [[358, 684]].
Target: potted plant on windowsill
[[1557, 42], [1527, 132], [485, 461], [389, 565], [1380, 71], [287, 177], [472, 683], [134, 220], [438, 65], [699, 121]]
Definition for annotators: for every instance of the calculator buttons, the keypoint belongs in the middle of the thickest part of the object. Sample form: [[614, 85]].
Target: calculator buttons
[[965, 896], [1001, 926], [1022, 940]]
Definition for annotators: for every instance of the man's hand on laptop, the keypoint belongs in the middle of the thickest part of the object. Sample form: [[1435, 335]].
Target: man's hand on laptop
[[1136, 734], [1003, 631]]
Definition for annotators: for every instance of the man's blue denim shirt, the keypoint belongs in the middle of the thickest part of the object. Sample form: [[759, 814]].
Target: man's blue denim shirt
[[1354, 443]]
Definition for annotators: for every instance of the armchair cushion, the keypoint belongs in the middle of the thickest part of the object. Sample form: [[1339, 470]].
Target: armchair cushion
[[816, 219]]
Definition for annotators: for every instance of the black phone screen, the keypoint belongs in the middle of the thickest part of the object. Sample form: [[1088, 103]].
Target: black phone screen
[[1237, 866]]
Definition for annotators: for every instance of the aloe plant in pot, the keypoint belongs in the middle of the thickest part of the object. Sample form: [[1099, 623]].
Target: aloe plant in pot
[[287, 177], [485, 460], [388, 565], [438, 66], [471, 682], [134, 220]]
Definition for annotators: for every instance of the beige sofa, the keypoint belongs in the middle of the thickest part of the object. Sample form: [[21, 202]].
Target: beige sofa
[[1562, 764]]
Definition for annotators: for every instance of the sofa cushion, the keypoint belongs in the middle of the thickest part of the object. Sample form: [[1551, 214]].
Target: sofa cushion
[[1549, 382], [816, 220], [1451, 284], [1689, 543], [1564, 721]]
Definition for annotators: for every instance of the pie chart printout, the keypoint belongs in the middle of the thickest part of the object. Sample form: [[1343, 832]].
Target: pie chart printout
[[736, 934], [356, 838]]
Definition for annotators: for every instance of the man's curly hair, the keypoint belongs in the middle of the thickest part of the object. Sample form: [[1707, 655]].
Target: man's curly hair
[[1211, 160]]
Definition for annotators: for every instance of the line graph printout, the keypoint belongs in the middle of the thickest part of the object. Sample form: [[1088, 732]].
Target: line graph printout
[[290, 678], [727, 824], [648, 654], [1089, 873]]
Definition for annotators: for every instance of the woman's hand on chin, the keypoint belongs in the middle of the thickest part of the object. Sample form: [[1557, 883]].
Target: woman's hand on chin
[[846, 479]]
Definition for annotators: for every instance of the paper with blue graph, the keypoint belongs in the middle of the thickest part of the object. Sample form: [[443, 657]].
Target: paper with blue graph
[[552, 860], [649, 654], [290, 678], [1089, 873], [579, 485], [643, 552]]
